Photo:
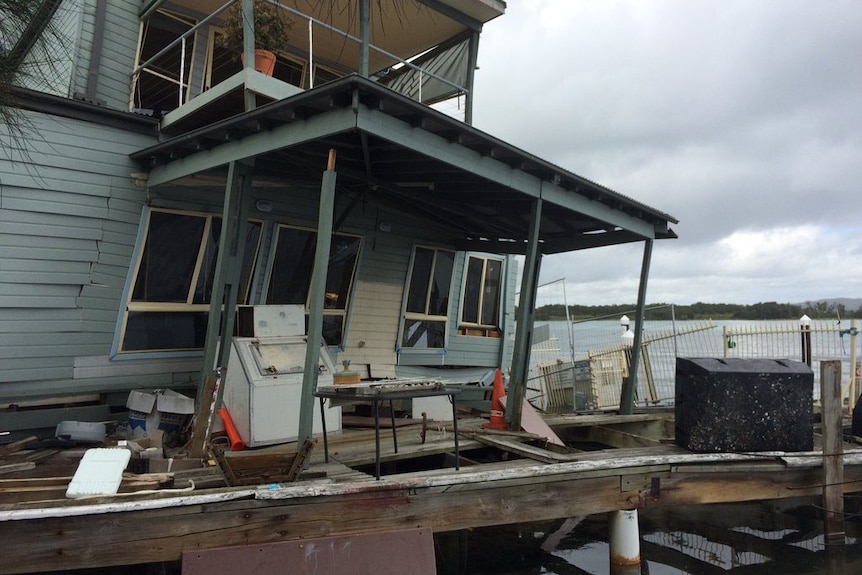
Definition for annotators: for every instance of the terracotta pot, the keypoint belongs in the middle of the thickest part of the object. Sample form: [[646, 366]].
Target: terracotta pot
[[264, 61]]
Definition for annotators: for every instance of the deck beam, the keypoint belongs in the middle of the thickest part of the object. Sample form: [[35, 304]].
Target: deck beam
[[153, 535]]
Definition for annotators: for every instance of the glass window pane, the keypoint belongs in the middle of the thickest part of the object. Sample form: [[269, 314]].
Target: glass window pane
[[472, 290], [203, 291], [333, 329], [417, 293], [151, 331], [438, 303], [424, 333], [491, 299], [291, 270], [204, 288], [169, 257], [339, 276], [158, 86], [249, 261]]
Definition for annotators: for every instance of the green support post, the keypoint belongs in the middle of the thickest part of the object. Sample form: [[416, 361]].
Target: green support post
[[317, 291]]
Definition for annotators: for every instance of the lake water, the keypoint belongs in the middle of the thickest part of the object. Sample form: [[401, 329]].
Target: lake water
[[703, 540]]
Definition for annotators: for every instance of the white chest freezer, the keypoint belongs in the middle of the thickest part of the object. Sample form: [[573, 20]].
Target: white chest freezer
[[263, 388]]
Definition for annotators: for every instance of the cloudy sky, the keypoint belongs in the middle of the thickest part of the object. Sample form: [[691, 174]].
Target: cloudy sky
[[740, 118]]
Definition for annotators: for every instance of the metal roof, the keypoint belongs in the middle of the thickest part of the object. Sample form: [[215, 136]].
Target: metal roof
[[405, 155]]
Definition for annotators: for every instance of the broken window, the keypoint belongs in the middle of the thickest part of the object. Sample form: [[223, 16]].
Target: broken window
[[292, 269], [427, 303], [163, 84], [169, 296]]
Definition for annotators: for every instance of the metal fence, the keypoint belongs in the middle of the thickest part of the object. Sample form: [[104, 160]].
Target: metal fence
[[589, 372]]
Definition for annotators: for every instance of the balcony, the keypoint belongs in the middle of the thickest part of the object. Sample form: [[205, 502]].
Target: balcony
[[423, 49]]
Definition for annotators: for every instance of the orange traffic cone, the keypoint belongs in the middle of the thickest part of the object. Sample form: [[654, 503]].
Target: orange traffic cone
[[497, 420]]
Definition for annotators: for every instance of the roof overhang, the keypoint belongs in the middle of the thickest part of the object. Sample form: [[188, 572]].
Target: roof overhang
[[396, 152]]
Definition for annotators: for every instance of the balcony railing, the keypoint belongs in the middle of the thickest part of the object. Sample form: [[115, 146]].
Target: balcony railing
[[171, 64]]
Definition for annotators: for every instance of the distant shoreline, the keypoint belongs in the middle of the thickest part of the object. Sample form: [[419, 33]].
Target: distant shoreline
[[823, 309]]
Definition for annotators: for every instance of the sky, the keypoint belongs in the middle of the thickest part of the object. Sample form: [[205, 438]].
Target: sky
[[742, 119]]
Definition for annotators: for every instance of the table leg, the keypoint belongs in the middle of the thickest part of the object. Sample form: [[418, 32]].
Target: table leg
[[392, 419], [323, 423], [376, 438], [455, 430]]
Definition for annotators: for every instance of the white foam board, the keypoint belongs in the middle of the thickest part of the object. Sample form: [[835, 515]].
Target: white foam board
[[99, 473]]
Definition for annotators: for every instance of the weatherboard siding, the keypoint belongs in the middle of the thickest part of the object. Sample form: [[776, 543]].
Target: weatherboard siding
[[69, 217], [119, 47]]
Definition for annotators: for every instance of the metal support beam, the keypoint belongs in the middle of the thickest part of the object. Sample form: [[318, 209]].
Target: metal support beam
[[365, 37], [472, 62], [317, 290], [627, 395], [524, 329], [454, 14], [248, 49], [227, 273]]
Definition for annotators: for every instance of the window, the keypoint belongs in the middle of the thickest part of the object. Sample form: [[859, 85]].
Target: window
[[323, 75], [169, 298], [290, 278], [427, 303], [482, 288], [164, 83]]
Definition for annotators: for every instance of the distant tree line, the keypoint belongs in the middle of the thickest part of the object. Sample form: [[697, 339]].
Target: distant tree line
[[762, 310]]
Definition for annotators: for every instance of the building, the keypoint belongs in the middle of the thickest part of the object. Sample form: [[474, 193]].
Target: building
[[150, 146]]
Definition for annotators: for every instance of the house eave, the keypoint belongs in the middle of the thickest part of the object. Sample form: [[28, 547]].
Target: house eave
[[404, 152]]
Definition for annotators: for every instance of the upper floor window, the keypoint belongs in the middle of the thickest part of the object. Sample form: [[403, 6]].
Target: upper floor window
[[169, 296], [482, 290], [163, 85], [427, 303], [293, 266]]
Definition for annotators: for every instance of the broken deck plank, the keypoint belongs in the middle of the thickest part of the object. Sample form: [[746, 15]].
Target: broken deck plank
[[523, 449]]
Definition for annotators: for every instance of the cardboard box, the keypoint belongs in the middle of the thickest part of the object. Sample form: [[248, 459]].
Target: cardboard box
[[160, 409]]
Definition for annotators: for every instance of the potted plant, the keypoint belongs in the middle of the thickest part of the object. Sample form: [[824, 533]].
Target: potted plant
[[271, 27]]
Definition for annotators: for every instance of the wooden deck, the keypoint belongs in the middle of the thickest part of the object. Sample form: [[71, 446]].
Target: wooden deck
[[504, 479]]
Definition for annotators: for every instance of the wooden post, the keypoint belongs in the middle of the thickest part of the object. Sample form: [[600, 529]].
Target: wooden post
[[317, 290], [833, 459]]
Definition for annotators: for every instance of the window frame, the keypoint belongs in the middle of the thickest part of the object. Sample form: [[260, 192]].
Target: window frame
[[328, 312], [186, 86], [131, 306], [407, 315], [478, 327]]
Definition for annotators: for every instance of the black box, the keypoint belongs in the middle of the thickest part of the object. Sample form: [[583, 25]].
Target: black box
[[733, 404]]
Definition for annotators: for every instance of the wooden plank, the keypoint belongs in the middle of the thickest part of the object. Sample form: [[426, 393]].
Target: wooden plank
[[13, 491], [833, 448], [203, 418], [523, 449], [15, 467], [616, 438], [116, 538], [18, 445]]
